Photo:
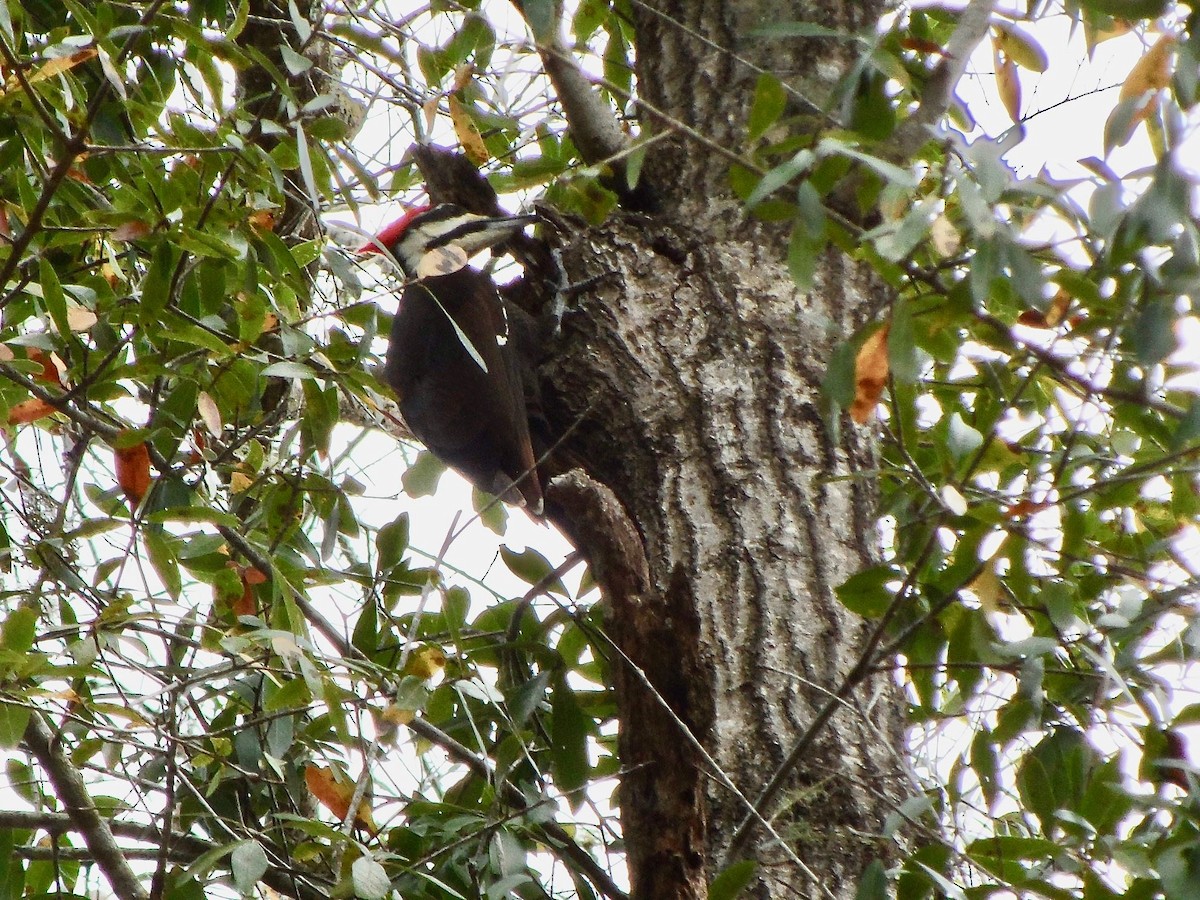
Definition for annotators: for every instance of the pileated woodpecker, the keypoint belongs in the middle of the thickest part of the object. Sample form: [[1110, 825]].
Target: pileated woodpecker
[[467, 405]]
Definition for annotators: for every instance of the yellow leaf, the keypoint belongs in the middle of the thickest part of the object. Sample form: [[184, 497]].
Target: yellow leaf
[[425, 662], [55, 66], [468, 134], [1021, 48], [1008, 84], [989, 589]]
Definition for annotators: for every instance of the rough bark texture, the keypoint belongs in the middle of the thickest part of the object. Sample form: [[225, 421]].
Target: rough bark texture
[[691, 374]]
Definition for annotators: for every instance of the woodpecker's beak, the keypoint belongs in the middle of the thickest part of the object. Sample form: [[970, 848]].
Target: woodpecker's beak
[[475, 233]]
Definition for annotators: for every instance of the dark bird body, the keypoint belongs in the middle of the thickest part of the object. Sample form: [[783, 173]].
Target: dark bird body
[[474, 420]]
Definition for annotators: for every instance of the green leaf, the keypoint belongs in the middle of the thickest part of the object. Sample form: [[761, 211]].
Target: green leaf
[[248, 863], [770, 99], [961, 438], [902, 345], [292, 694], [568, 734], [530, 566], [874, 882], [52, 294], [421, 478], [19, 629], [163, 559], [733, 880], [1054, 774], [156, 286], [1154, 331], [780, 176], [525, 699], [867, 593], [391, 542], [540, 16], [838, 384], [13, 721]]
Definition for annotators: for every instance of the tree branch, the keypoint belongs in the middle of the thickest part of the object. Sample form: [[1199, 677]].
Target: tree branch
[[594, 128], [70, 789], [939, 90], [185, 848]]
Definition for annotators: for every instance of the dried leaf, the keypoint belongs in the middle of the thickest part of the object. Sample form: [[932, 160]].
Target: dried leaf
[[946, 239], [870, 375], [335, 796], [1025, 507], [430, 109], [468, 134], [1149, 75], [1152, 72], [80, 318], [29, 411], [133, 471], [206, 407], [132, 230], [55, 67], [262, 220], [246, 605], [462, 76], [921, 45], [52, 366]]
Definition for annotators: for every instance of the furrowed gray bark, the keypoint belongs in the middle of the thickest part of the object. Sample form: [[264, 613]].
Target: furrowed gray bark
[[691, 375]]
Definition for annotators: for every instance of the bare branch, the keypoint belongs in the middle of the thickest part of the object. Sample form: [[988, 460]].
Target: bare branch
[[185, 848], [70, 789], [939, 91]]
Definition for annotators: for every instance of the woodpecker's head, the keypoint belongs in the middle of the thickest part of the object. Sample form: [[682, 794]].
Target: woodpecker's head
[[425, 228]]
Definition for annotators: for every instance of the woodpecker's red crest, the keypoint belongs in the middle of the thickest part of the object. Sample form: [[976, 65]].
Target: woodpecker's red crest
[[426, 228], [465, 403]]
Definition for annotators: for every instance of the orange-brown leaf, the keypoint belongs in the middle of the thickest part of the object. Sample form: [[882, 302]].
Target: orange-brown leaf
[[133, 471], [331, 794], [130, 231], [335, 796], [870, 375], [1024, 508], [50, 373], [29, 411], [921, 45], [262, 220], [59, 65], [1152, 72]]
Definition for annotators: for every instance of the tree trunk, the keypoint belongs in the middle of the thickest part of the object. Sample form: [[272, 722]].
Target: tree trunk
[[691, 376]]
